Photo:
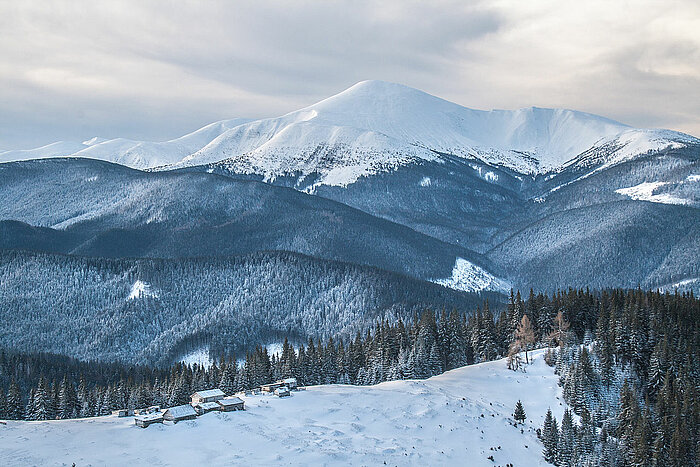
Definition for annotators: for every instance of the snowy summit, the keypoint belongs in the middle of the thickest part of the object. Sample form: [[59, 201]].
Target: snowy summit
[[376, 126]]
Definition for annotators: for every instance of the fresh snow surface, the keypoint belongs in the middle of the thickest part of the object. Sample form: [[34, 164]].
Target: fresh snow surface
[[469, 277], [135, 154], [141, 289], [629, 145], [275, 348], [452, 419], [94, 140], [57, 149], [645, 192], [375, 126], [146, 154]]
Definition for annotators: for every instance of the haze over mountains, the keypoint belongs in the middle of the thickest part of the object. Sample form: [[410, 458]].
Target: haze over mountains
[[379, 175]]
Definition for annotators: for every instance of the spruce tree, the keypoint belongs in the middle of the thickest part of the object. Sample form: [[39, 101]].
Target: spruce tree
[[567, 439], [519, 413], [42, 401], [550, 438], [14, 409]]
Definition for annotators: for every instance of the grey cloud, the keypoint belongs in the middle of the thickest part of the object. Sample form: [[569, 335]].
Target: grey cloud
[[156, 69]]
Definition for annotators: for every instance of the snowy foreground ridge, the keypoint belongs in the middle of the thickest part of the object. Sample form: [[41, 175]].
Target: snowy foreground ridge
[[453, 419]]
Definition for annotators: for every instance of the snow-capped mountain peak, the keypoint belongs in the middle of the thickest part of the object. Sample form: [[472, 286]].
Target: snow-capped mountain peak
[[376, 126]]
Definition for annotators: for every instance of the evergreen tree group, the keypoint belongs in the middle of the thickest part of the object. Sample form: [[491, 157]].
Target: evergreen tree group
[[634, 380]]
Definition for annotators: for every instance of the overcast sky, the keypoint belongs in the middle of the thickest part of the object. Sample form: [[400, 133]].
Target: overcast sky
[[158, 69]]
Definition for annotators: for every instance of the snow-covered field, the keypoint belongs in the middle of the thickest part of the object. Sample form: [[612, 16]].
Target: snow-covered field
[[459, 418]]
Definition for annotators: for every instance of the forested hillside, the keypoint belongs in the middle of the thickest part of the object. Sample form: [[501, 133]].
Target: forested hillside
[[94, 208], [150, 311]]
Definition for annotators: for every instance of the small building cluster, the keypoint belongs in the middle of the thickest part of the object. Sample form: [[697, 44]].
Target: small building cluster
[[201, 402], [280, 388]]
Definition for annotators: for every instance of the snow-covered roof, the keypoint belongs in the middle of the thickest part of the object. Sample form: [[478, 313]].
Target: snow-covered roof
[[210, 393], [282, 389], [289, 381], [208, 405], [230, 401], [181, 411]]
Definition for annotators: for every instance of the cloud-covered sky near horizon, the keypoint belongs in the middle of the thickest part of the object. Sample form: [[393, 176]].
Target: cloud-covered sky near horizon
[[154, 70]]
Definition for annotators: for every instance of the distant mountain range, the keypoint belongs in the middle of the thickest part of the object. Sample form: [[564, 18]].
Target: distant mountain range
[[379, 175], [375, 126]]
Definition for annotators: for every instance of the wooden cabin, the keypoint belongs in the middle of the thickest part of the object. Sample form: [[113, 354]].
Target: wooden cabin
[[204, 407], [179, 413], [122, 412], [145, 420], [147, 410], [229, 404], [210, 395], [291, 383], [271, 387], [282, 392]]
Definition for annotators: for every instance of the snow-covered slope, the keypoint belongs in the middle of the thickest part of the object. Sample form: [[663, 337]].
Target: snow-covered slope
[[629, 145], [469, 277], [57, 149], [135, 154], [376, 125], [459, 418], [145, 154]]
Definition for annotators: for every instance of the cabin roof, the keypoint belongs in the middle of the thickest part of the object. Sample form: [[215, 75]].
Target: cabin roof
[[230, 401], [210, 393], [208, 405], [181, 411]]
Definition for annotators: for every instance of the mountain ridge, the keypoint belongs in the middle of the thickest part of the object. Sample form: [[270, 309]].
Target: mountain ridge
[[372, 127]]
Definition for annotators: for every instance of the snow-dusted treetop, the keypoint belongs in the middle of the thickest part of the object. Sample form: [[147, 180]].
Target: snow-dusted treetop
[[377, 126]]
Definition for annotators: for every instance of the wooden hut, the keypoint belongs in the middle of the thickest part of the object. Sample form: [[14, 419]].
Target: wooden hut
[[145, 420], [122, 412], [229, 404], [147, 410], [204, 407], [291, 383], [210, 395], [271, 387], [179, 413]]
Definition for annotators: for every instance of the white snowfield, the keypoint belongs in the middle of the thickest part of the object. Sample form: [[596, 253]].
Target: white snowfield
[[459, 418], [469, 277], [376, 126], [647, 191], [135, 154]]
